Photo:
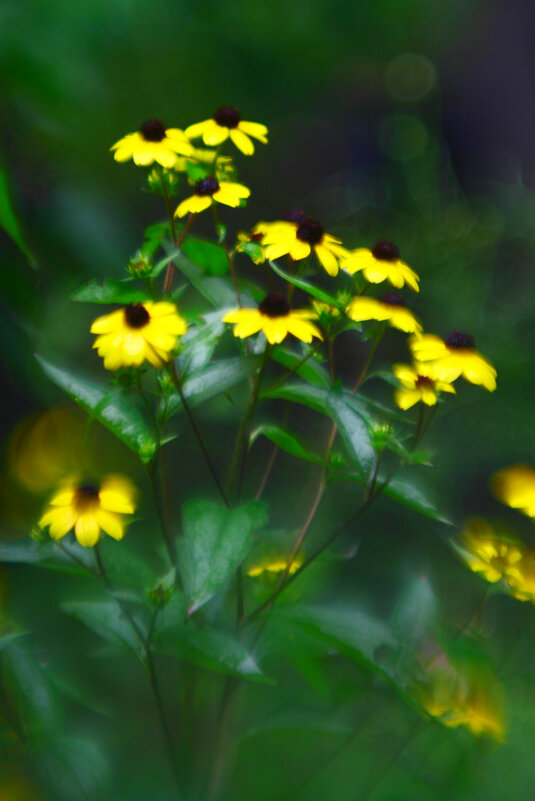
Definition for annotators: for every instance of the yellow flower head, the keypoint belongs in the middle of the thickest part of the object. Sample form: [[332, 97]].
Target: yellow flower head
[[389, 308], [275, 318], [382, 263], [88, 509], [275, 566], [299, 235], [515, 486], [254, 237], [490, 553], [153, 143], [209, 190], [416, 386], [226, 123], [450, 358], [137, 332]]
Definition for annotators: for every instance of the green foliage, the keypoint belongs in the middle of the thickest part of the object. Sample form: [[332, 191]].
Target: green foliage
[[209, 257], [286, 441], [8, 218], [354, 431]]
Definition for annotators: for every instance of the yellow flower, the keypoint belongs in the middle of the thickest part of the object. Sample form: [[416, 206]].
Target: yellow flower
[[209, 189], [137, 332], [489, 553], [253, 237], [390, 308], [153, 143], [88, 509], [226, 123], [277, 566], [275, 318], [455, 356], [417, 386], [380, 264], [297, 236], [515, 486]]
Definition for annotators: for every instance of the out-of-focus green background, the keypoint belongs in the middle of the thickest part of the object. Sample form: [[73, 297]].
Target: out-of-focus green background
[[407, 121]]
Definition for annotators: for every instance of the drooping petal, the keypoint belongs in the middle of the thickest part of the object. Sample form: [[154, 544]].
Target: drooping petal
[[255, 129], [117, 494], [242, 142], [193, 205], [405, 398], [303, 329], [198, 128], [110, 523], [87, 530], [327, 259]]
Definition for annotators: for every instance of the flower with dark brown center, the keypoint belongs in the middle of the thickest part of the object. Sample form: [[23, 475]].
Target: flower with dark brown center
[[152, 131], [393, 299], [274, 305], [136, 315], [386, 251], [208, 186], [227, 116], [310, 231], [457, 340]]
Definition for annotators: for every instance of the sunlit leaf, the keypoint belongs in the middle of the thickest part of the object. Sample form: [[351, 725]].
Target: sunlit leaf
[[209, 257]]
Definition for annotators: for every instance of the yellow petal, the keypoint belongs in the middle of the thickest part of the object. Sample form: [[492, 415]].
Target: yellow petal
[[327, 259], [117, 494], [242, 141], [406, 374], [87, 530], [427, 347], [193, 131], [405, 398], [193, 205], [110, 523], [214, 134], [255, 129]]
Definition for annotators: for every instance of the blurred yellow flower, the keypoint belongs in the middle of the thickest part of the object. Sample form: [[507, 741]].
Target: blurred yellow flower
[[276, 566], [275, 318], [152, 143], [382, 263], [254, 237], [298, 237], [137, 332], [225, 123], [88, 509], [515, 486], [455, 356], [490, 553], [416, 386], [209, 190], [390, 308]]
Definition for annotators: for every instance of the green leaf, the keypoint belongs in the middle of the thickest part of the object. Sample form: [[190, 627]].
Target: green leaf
[[415, 498], [199, 344], [30, 690], [213, 288], [48, 555], [414, 613], [159, 266], [111, 291], [215, 543], [286, 441], [210, 648], [313, 397], [354, 431], [8, 219], [107, 620], [209, 257], [113, 410], [253, 250], [311, 370], [213, 380], [72, 768], [7, 639], [310, 289]]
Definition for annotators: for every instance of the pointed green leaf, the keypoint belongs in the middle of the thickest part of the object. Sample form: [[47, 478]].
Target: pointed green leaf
[[310, 289], [213, 380], [286, 441], [213, 288], [209, 257], [8, 219], [313, 397], [112, 409], [414, 497], [107, 620], [311, 370], [199, 343], [110, 291], [354, 431]]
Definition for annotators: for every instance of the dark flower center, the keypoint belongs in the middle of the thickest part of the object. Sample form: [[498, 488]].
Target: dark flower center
[[136, 315], [86, 497], [295, 216], [458, 340], [207, 186], [393, 299], [256, 237], [153, 131], [424, 381], [386, 251], [310, 231], [227, 116], [274, 305], [88, 491]]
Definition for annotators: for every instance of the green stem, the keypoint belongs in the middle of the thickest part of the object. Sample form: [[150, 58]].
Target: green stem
[[197, 433], [220, 746], [152, 470], [230, 259], [377, 341]]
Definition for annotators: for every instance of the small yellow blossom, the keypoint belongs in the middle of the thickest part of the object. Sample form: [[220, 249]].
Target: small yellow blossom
[[254, 237], [382, 263], [137, 332], [389, 308], [209, 190], [298, 236], [490, 553], [88, 509], [275, 319], [515, 486], [416, 386], [225, 123], [452, 357], [153, 143], [277, 566]]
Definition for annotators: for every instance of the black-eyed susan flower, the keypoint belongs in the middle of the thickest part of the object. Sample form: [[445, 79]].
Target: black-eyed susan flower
[[452, 357], [515, 486], [209, 190], [89, 509], [382, 263], [390, 308], [225, 123], [301, 235], [275, 319], [138, 332], [417, 387], [153, 142], [490, 553]]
